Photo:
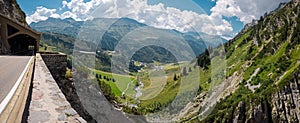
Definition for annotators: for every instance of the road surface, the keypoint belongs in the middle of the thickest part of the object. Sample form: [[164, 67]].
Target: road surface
[[11, 68]]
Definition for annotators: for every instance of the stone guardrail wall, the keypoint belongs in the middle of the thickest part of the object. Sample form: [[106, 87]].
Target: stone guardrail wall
[[13, 112], [56, 63], [48, 103]]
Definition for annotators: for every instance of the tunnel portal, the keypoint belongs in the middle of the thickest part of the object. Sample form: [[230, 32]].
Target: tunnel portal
[[17, 39]]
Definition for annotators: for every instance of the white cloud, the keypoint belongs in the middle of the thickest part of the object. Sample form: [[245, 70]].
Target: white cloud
[[64, 3], [156, 15], [69, 14], [81, 7], [41, 14], [245, 10], [163, 17]]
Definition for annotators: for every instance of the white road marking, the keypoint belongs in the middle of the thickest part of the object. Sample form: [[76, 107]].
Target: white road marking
[[13, 90]]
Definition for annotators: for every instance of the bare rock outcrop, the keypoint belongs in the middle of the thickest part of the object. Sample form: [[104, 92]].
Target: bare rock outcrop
[[12, 10]]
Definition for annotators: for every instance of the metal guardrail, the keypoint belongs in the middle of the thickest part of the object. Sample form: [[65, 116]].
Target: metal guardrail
[[12, 107]]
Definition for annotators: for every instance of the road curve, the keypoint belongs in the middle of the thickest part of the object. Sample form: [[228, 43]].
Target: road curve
[[11, 68]]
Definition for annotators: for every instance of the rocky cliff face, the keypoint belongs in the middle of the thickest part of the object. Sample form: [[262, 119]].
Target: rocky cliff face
[[12, 10], [283, 106], [286, 102]]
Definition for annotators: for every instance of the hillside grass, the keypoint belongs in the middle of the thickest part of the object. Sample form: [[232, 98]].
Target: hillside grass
[[120, 83], [277, 56], [159, 90], [46, 48]]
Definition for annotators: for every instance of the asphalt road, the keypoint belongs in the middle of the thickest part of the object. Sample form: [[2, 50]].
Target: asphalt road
[[11, 68]]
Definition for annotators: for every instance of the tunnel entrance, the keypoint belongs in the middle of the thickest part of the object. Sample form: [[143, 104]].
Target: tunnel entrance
[[22, 45], [16, 38]]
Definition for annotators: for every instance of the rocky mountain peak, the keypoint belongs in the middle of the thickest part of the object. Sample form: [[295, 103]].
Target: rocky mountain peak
[[12, 10]]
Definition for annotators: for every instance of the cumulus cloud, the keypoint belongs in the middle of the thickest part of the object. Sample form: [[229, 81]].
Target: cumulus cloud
[[161, 16], [41, 14], [154, 15], [245, 10], [69, 14], [81, 7]]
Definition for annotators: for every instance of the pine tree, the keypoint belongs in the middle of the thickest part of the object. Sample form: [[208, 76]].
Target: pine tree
[[175, 77]]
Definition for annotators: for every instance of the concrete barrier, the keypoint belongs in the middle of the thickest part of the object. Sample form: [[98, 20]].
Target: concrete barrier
[[13, 105]]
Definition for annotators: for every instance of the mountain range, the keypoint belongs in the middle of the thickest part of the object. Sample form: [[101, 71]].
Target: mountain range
[[107, 32]]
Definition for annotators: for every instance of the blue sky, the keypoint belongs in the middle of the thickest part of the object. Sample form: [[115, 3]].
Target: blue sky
[[217, 17], [29, 6]]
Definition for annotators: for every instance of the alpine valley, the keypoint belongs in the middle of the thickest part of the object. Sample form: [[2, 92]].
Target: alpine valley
[[262, 74]]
